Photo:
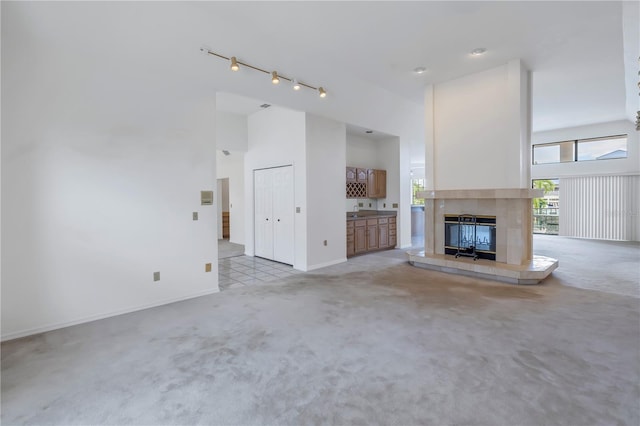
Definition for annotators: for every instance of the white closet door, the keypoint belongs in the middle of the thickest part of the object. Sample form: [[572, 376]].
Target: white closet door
[[283, 214], [263, 206]]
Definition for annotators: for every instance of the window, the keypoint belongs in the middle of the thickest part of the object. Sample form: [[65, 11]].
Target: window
[[546, 210], [606, 148], [558, 152], [602, 148], [417, 185]]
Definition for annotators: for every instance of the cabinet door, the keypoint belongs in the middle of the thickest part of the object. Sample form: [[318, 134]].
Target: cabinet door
[[372, 234], [381, 183], [351, 247], [351, 175], [361, 175], [371, 184], [360, 239], [383, 235]]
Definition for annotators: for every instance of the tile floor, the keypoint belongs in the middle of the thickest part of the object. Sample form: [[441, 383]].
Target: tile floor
[[245, 270]]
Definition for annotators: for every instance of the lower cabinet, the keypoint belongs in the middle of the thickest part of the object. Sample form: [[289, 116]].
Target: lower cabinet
[[370, 234], [360, 239]]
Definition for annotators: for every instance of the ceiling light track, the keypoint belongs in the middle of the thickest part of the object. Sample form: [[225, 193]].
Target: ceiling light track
[[275, 75]]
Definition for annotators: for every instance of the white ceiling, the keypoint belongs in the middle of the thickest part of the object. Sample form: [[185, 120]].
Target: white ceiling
[[574, 49]]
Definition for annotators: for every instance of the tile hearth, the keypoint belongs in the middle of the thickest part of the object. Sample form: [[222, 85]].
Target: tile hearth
[[529, 273]]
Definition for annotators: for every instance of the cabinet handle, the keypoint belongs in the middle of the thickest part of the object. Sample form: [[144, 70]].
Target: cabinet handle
[[278, 220], [267, 219]]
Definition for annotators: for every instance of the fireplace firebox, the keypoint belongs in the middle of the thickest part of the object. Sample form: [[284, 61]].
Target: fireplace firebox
[[469, 235]]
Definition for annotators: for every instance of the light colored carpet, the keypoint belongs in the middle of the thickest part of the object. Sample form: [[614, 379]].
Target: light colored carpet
[[372, 341]]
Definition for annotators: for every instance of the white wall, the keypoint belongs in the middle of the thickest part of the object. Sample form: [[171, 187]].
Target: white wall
[[277, 138], [629, 165], [232, 167], [477, 138], [361, 152], [231, 131], [98, 189], [326, 162]]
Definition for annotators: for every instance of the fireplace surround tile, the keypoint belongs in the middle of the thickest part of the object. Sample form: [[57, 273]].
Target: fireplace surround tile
[[514, 241]]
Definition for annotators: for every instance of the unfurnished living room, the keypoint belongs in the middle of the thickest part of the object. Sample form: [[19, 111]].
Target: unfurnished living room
[[287, 213]]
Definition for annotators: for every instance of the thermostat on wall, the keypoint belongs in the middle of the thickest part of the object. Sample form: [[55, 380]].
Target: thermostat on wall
[[206, 198]]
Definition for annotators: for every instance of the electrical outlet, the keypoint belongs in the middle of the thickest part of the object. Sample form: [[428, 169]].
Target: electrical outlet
[[369, 204], [325, 242], [195, 215], [156, 276], [384, 205], [207, 267], [360, 204], [297, 209], [395, 205]]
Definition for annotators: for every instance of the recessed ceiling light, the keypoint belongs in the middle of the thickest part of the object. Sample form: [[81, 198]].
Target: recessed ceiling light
[[419, 70], [478, 51]]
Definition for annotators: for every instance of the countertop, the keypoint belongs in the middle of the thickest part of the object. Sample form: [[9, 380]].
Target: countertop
[[363, 214]]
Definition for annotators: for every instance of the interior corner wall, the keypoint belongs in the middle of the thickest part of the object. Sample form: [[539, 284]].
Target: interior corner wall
[[276, 137], [477, 130], [98, 189], [232, 167], [326, 162], [231, 131]]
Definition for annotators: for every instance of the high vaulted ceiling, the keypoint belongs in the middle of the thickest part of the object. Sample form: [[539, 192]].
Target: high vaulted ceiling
[[575, 50]]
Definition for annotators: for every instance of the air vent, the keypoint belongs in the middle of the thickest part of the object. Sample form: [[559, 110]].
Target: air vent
[[225, 152], [265, 106]]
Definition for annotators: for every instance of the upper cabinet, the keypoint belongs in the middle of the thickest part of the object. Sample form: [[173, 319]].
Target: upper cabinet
[[376, 183], [351, 174], [366, 183]]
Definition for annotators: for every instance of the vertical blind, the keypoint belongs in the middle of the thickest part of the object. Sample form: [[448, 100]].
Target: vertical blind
[[600, 207]]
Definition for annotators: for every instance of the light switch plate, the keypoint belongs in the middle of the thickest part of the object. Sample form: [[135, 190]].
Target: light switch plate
[[297, 209], [156, 276], [395, 205], [207, 267], [195, 215]]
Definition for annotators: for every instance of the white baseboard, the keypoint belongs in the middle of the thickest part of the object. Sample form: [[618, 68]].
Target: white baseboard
[[325, 264], [50, 327]]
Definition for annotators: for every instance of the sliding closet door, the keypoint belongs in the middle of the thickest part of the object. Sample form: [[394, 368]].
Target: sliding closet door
[[263, 205], [283, 214], [273, 217]]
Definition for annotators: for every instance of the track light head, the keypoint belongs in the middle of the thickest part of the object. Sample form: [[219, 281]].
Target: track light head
[[295, 84], [274, 77], [234, 64], [323, 93]]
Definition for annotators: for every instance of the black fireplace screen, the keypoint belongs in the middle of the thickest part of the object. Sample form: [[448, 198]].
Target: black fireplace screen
[[470, 234]]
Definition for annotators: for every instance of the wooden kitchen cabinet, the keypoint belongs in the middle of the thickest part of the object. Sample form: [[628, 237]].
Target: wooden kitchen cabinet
[[362, 175], [392, 232], [351, 240], [351, 174], [383, 232], [360, 236], [376, 183], [372, 234]]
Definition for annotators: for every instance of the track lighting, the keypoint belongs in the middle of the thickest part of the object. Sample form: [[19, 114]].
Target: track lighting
[[234, 64], [275, 77]]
